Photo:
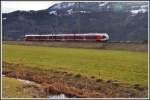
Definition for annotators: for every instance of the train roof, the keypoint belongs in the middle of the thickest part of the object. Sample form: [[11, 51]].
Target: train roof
[[67, 34]]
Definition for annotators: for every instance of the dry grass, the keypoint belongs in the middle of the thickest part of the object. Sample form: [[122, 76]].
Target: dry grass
[[82, 86]]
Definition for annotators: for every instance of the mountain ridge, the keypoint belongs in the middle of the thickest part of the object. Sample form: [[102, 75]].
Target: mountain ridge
[[121, 25]]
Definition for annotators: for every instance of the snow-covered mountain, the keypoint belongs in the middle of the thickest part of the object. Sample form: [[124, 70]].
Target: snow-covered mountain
[[62, 5], [87, 7], [123, 21]]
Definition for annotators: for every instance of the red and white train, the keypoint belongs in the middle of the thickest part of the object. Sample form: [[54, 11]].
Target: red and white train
[[68, 37]]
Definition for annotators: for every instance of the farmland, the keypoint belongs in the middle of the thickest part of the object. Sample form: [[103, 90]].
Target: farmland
[[10, 90], [13, 87], [127, 67]]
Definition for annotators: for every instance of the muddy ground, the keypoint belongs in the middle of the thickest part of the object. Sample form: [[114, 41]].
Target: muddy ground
[[90, 45], [56, 82]]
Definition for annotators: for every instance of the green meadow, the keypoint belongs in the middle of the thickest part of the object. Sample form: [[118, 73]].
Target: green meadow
[[125, 66]]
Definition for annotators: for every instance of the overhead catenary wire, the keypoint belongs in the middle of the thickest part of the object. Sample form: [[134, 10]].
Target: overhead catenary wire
[[78, 20], [55, 26]]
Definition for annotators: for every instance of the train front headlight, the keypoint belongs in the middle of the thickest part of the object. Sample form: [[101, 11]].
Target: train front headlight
[[107, 37]]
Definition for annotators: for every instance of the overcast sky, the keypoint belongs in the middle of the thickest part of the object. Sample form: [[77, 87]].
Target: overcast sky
[[9, 6]]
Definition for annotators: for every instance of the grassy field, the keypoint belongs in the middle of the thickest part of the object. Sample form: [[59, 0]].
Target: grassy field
[[10, 88], [125, 66], [14, 88]]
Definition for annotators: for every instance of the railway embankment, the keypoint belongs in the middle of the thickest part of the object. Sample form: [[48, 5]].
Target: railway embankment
[[131, 46]]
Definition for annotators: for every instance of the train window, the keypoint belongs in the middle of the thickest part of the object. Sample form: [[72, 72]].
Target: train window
[[41, 37], [30, 37], [50, 37], [58, 37], [71, 37], [90, 37], [79, 37], [103, 36], [36, 37], [68, 37]]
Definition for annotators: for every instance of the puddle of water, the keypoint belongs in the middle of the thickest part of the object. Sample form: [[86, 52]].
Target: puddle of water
[[60, 96]]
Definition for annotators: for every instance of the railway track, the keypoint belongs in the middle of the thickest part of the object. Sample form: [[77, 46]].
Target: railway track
[[131, 46]]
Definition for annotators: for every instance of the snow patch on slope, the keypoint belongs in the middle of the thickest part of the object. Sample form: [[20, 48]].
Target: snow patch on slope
[[103, 4], [82, 11], [63, 5], [136, 11], [53, 13], [70, 11]]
